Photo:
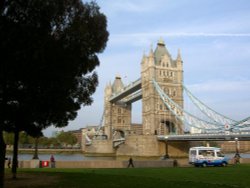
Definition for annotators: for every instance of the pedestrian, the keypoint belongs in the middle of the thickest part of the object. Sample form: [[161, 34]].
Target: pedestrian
[[52, 161], [237, 158], [9, 162], [130, 162]]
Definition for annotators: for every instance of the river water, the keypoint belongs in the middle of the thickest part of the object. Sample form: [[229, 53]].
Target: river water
[[81, 157]]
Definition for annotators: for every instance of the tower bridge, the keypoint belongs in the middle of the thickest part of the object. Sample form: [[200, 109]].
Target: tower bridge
[[164, 118]]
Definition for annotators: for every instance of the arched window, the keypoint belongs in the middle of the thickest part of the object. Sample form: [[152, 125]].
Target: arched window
[[174, 93]]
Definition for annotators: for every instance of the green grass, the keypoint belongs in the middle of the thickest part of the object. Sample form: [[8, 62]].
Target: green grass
[[211, 177]]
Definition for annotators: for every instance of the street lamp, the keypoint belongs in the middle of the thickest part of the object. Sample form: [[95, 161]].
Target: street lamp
[[236, 145], [237, 155]]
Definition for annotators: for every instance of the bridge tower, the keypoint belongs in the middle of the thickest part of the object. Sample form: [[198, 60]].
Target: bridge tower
[[168, 73], [117, 115]]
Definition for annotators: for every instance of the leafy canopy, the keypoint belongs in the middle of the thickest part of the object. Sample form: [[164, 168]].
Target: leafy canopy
[[49, 53]]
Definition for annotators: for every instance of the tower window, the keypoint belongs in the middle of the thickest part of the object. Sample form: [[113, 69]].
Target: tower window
[[119, 120], [174, 93]]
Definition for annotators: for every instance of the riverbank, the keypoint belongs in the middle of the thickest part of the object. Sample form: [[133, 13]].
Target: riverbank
[[47, 151]]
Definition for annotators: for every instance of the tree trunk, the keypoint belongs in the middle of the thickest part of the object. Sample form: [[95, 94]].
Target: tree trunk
[[2, 158], [36, 149], [15, 154]]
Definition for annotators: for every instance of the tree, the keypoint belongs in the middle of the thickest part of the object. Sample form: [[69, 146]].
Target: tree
[[67, 138], [8, 138], [49, 53]]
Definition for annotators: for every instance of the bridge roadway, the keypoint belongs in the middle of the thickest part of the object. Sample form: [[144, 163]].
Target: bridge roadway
[[128, 90], [206, 137]]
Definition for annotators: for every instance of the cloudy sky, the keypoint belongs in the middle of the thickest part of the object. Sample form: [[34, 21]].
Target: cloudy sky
[[214, 39]]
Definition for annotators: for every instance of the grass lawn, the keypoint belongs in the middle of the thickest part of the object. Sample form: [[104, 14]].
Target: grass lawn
[[214, 177]]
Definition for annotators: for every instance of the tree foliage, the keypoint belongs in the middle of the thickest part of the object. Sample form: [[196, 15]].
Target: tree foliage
[[67, 138], [62, 140], [48, 55]]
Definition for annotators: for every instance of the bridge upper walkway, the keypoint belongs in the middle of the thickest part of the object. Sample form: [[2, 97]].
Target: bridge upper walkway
[[127, 91]]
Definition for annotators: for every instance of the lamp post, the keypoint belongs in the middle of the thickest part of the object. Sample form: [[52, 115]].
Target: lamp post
[[237, 155], [236, 145]]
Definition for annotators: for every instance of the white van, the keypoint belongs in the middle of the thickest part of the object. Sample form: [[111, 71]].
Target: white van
[[207, 156]]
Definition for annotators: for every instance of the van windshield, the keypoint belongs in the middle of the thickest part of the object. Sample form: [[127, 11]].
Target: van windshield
[[219, 154], [206, 153]]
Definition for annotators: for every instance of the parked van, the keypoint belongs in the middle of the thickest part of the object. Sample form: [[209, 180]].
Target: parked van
[[207, 156]]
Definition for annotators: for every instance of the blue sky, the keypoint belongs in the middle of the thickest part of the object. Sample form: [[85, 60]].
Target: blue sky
[[214, 39]]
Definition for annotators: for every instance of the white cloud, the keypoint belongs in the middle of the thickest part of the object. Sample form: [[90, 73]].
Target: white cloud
[[134, 6], [178, 34], [145, 39], [221, 86]]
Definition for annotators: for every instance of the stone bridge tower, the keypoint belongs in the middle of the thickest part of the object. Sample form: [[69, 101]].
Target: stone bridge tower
[[159, 65], [117, 115]]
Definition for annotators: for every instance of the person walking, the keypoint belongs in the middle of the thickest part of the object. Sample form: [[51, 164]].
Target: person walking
[[52, 161], [130, 162], [9, 162], [237, 158]]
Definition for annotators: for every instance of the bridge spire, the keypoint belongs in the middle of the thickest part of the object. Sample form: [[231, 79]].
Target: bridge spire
[[179, 55], [161, 42], [151, 53], [118, 84], [151, 56]]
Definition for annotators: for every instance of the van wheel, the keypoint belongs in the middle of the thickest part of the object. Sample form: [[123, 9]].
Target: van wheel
[[224, 164], [204, 165]]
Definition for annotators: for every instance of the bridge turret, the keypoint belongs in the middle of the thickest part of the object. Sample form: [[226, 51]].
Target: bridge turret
[[151, 59], [117, 85], [179, 59], [179, 55], [161, 52], [108, 91]]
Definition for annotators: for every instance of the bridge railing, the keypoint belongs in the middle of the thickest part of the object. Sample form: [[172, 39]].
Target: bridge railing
[[210, 136], [133, 96]]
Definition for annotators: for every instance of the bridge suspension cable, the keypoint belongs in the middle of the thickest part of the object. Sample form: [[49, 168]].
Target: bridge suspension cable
[[210, 113], [238, 126], [186, 117], [101, 123], [243, 125]]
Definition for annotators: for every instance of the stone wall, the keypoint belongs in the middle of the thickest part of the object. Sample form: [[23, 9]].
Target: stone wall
[[229, 146], [112, 164], [100, 147], [178, 149], [183, 162], [101, 164], [141, 145]]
